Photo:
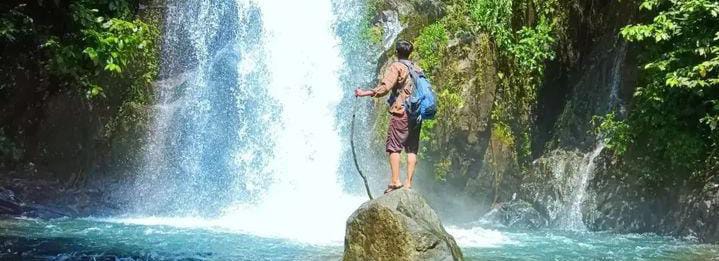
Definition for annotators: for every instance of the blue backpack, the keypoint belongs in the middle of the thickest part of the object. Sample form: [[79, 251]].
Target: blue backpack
[[422, 104]]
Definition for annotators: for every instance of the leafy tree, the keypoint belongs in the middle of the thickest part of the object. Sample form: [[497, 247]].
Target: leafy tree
[[675, 109], [84, 43], [97, 48], [106, 44], [430, 44]]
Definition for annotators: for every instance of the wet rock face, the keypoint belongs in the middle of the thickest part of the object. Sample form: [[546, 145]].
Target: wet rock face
[[625, 201], [391, 27], [44, 198], [9, 205], [701, 213], [517, 214], [403, 19], [549, 184], [398, 226], [415, 14]]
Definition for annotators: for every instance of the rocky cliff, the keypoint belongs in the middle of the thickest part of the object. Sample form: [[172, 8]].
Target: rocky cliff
[[529, 149]]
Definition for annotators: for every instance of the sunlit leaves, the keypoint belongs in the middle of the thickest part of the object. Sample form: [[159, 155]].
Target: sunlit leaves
[[430, 44], [14, 23], [119, 43], [107, 43], [494, 17], [615, 133], [674, 112], [534, 47]]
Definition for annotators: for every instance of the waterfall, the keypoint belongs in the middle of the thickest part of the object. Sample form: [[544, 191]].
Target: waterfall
[[572, 219], [245, 134]]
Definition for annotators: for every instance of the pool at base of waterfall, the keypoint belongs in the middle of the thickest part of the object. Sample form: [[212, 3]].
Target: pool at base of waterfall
[[92, 239]]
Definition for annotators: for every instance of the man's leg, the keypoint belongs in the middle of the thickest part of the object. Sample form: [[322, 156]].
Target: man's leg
[[411, 162], [412, 148], [396, 135], [394, 167]]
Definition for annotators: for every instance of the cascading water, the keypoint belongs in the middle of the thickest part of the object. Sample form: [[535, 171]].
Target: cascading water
[[245, 134], [572, 219]]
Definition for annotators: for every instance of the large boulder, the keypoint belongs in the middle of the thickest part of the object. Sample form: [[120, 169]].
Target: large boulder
[[398, 226]]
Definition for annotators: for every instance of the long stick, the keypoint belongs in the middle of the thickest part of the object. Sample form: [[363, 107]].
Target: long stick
[[354, 154]]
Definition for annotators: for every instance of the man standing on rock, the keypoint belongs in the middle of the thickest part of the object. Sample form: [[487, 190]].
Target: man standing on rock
[[403, 133]]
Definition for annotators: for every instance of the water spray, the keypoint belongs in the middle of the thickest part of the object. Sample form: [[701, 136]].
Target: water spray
[[354, 154]]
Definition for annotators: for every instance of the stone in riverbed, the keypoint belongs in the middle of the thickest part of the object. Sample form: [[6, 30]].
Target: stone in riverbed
[[398, 226], [517, 214], [9, 205]]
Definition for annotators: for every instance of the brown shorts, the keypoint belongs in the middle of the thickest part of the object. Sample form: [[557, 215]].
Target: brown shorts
[[402, 135]]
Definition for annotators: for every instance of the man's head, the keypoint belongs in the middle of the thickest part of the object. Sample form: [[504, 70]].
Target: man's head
[[404, 49]]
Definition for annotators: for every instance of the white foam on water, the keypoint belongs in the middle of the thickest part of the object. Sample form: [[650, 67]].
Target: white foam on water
[[478, 237]]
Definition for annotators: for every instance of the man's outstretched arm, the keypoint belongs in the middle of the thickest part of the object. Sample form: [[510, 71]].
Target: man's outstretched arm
[[362, 93], [385, 85]]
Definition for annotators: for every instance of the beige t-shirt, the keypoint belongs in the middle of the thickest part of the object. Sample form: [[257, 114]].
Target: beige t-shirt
[[396, 79]]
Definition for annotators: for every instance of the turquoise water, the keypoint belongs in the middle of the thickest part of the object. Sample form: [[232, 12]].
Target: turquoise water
[[581, 245], [103, 240]]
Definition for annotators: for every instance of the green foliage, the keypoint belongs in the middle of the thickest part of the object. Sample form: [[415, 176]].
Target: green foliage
[[371, 32], [676, 106], [494, 17], [503, 133], [527, 48], [523, 48], [97, 48], [448, 101], [104, 48], [689, 28], [520, 48], [442, 169], [614, 132], [533, 48], [14, 23], [430, 45]]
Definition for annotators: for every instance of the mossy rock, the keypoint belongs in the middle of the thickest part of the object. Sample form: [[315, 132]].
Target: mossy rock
[[398, 226]]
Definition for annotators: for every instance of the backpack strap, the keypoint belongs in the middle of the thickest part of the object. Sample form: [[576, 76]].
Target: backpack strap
[[412, 72], [410, 68]]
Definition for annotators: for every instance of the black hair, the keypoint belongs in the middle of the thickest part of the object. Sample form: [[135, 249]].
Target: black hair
[[404, 49]]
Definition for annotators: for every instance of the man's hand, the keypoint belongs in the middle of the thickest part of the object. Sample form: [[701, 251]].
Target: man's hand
[[361, 93]]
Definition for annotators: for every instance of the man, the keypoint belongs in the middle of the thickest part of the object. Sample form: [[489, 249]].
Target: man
[[403, 133]]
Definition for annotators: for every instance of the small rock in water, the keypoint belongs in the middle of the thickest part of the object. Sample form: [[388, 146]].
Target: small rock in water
[[9, 205], [517, 214], [398, 226]]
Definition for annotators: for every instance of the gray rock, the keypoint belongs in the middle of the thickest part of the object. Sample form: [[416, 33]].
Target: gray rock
[[9, 205], [517, 214], [398, 226], [391, 27]]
